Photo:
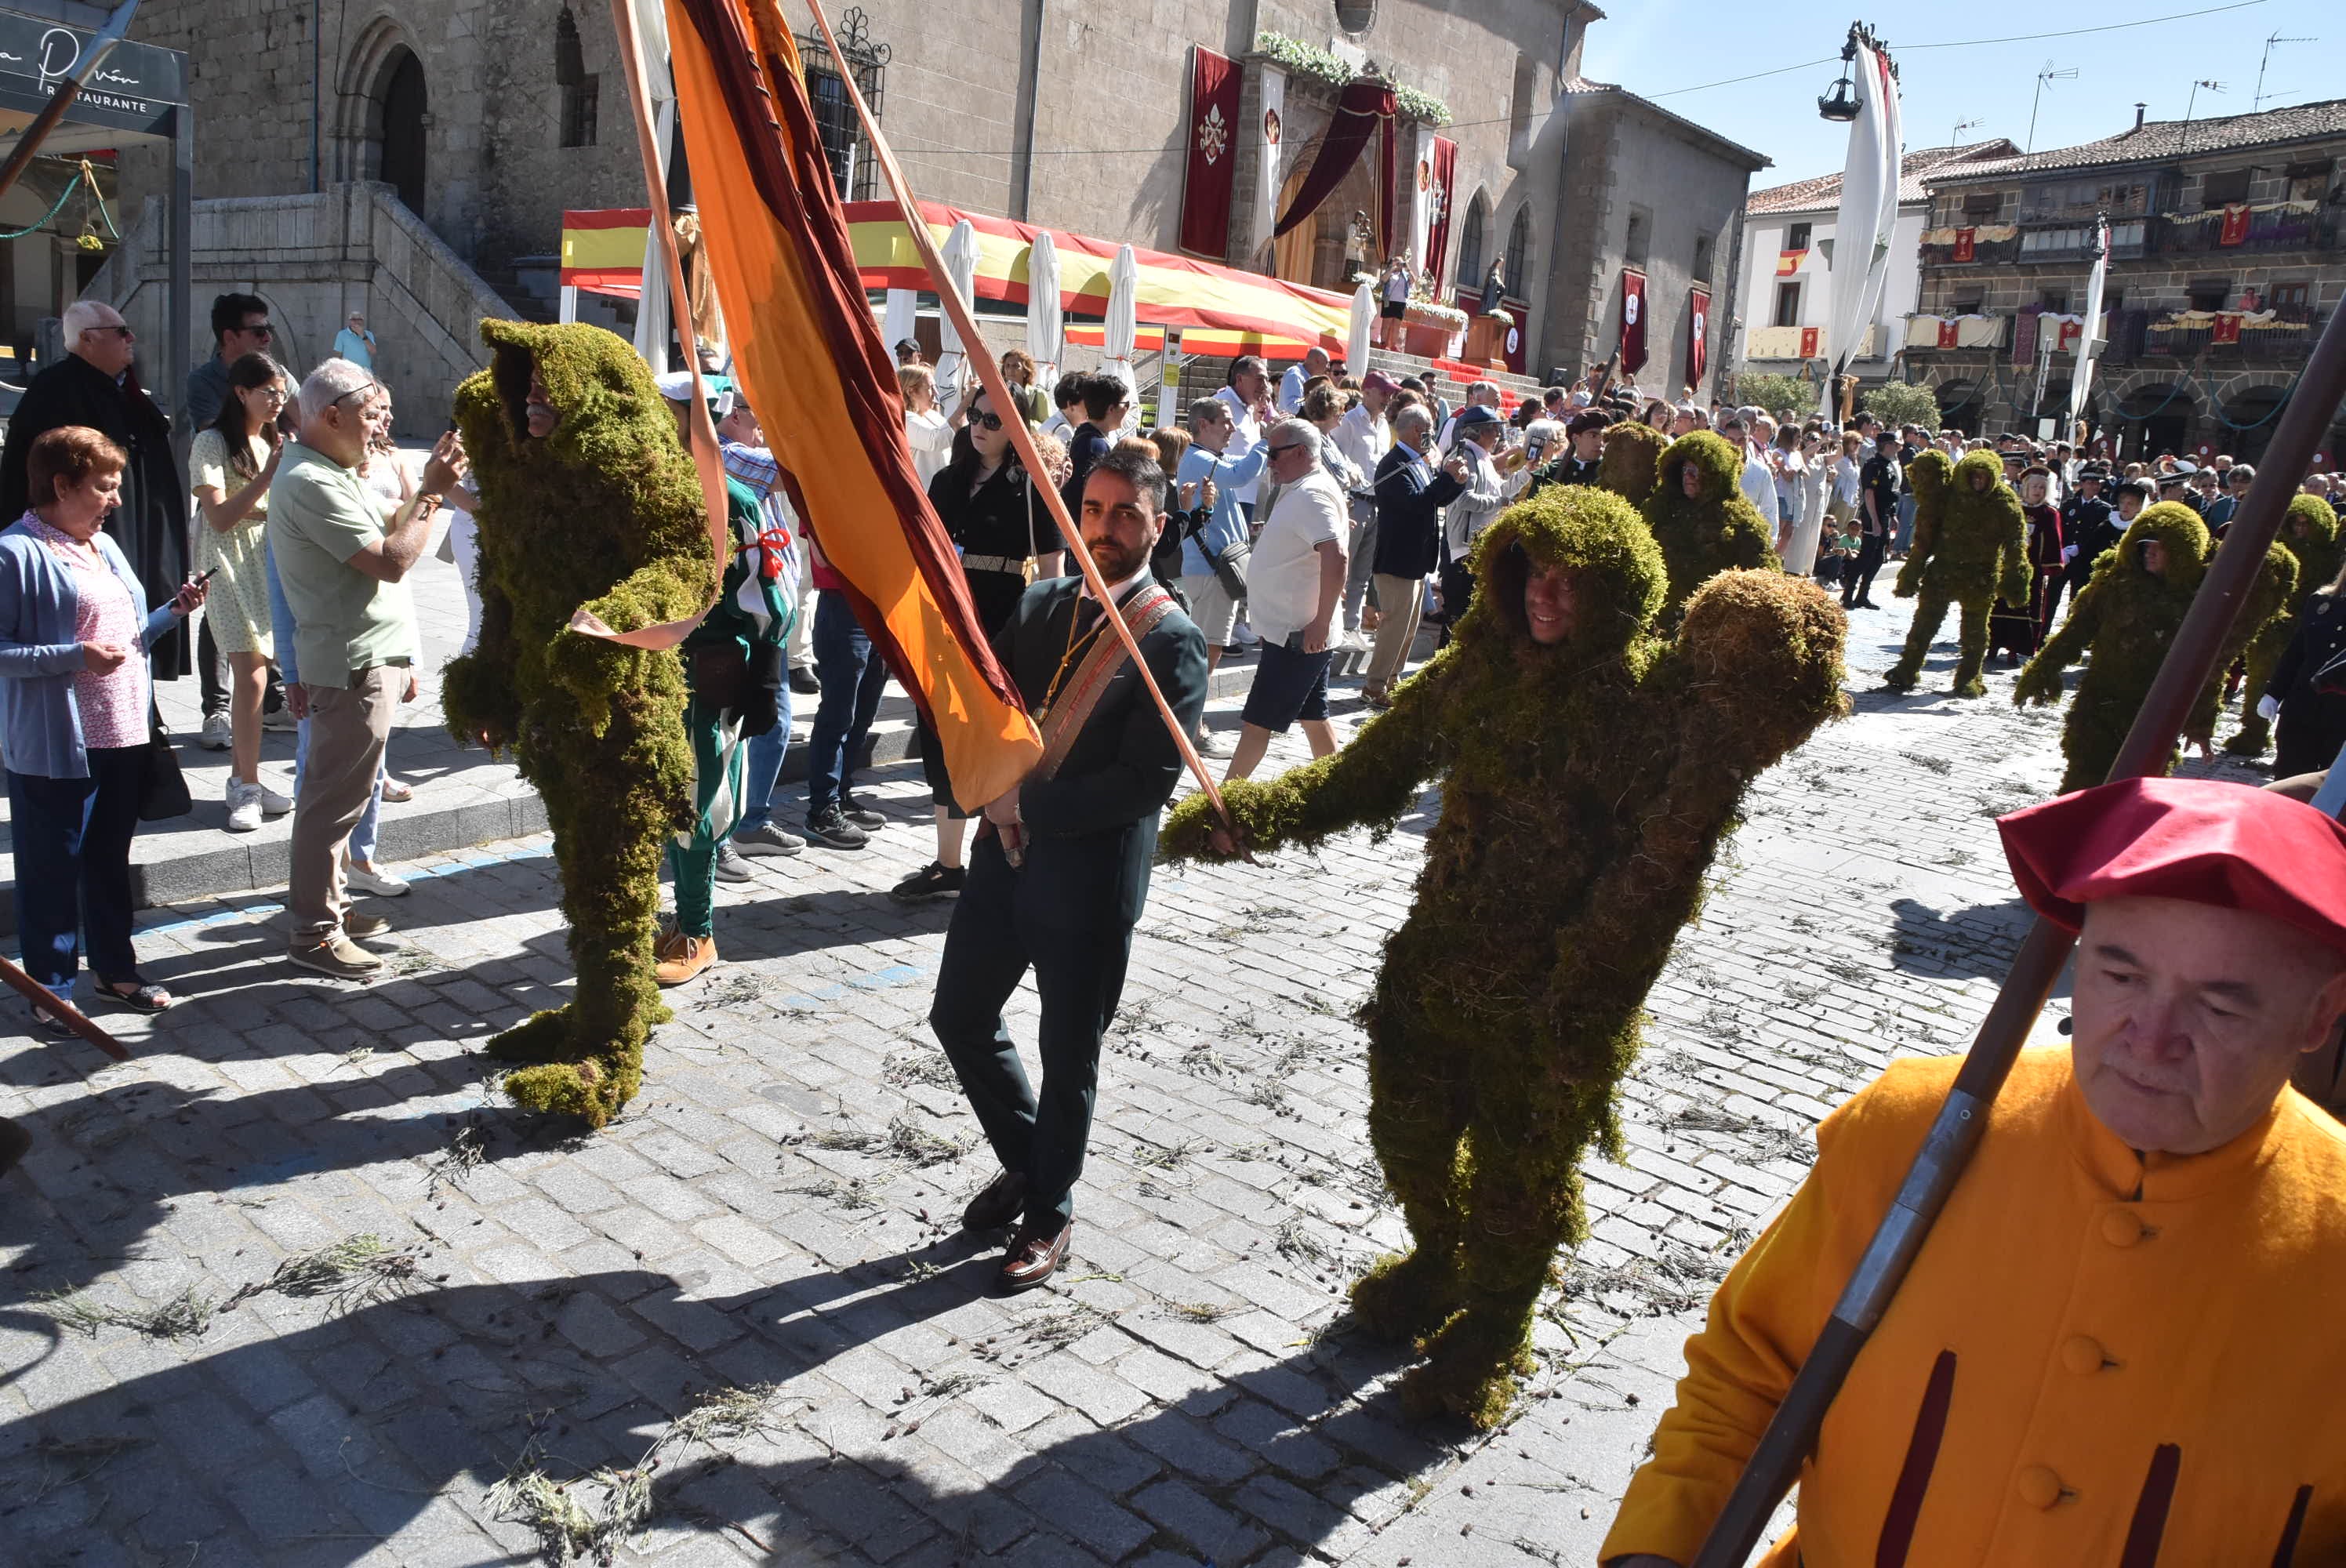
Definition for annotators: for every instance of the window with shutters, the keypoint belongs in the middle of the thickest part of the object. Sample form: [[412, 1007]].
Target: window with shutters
[[1787, 305]]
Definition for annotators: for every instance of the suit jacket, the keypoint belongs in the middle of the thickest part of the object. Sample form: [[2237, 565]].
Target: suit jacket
[[1408, 513], [1091, 829]]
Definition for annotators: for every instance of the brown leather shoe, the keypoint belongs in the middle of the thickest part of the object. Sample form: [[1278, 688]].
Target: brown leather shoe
[[683, 958], [1002, 1201], [1032, 1259]]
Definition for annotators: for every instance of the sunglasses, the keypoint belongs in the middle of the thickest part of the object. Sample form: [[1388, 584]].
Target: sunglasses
[[120, 331], [1275, 450], [990, 421], [263, 330]]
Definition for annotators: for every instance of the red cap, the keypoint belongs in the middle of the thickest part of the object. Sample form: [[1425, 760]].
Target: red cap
[[2192, 838]]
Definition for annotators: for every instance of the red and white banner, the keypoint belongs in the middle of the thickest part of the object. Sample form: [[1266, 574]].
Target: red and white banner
[[1966, 245], [1211, 172], [1444, 177], [2236, 225], [1809, 342], [1633, 321], [1948, 332], [1698, 334], [2227, 327]]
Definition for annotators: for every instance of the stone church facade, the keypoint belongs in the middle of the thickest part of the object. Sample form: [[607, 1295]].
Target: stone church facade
[[490, 117]]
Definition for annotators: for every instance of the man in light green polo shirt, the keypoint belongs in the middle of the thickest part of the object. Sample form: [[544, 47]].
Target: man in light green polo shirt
[[354, 641]]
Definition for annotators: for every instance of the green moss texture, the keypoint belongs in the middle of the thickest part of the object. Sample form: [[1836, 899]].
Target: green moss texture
[[2125, 618], [2310, 534], [1713, 530], [604, 513], [1970, 549], [1632, 454], [1585, 787]]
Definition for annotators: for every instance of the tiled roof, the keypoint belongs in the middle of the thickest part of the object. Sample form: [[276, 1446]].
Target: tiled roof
[[2159, 140], [1581, 87], [1823, 192]]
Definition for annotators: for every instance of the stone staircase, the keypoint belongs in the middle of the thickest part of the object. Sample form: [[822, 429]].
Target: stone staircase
[[531, 285]]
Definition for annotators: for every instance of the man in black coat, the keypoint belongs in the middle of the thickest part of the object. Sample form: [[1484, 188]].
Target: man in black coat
[[1411, 494], [1059, 874], [1581, 459], [95, 385], [2088, 526]]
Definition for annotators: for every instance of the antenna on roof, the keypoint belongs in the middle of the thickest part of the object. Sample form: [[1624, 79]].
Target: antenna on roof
[[1955, 136], [2051, 73], [2184, 134], [2259, 101]]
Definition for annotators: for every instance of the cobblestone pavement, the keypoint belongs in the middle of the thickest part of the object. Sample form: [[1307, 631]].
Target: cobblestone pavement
[[773, 1215]]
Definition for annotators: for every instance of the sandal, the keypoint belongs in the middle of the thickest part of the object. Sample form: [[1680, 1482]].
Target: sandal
[[49, 1023], [144, 997]]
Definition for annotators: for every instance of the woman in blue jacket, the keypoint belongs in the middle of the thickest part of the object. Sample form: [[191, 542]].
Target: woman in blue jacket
[[73, 703]]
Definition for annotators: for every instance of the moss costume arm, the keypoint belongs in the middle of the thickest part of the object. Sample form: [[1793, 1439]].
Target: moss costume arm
[[2040, 680], [1910, 576], [2268, 601], [593, 669], [476, 689], [2016, 571], [1373, 780]]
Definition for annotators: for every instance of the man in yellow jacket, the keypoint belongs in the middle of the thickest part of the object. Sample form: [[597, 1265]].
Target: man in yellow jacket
[[2121, 1344]]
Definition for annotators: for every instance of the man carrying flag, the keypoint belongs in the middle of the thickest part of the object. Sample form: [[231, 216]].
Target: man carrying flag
[[1060, 869]]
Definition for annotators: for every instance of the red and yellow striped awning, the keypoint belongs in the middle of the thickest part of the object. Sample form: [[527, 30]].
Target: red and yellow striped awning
[[603, 251], [1177, 291]]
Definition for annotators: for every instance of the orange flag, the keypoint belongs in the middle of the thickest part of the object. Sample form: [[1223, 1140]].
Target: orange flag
[[808, 355]]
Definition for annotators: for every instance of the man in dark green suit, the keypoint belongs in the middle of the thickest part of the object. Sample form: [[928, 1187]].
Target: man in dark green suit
[[1060, 871]]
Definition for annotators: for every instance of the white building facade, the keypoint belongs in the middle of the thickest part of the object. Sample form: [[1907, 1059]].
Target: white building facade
[[1787, 269]]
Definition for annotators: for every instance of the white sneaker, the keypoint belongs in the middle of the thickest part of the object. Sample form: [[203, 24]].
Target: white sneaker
[[244, 807], [272, 804], [381, 883], [218, 734]]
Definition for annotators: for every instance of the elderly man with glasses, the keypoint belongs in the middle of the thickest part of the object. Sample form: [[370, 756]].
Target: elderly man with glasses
[[95, 385]]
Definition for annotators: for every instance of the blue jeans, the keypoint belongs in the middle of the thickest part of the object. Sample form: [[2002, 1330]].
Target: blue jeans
[[764, 769], [852, 680], [72, 839], [362, 836], [1905, 522]]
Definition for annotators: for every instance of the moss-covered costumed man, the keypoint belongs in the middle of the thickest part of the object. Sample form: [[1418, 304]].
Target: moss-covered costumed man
[[1970, 549], [2308, 532], [588, 499], [2125, 616], [1701, 520], [1589, 771], [1633, 453]]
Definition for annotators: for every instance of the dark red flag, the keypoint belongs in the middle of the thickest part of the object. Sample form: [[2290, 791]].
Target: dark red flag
[[1445, 181], [1212, 168], [1633, 319], [1698, 335]]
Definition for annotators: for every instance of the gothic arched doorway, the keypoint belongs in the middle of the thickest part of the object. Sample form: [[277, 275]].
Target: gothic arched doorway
[[400, 110]]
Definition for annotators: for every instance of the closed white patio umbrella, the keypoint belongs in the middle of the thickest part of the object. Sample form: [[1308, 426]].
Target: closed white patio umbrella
[[960, 271], [1046, 330]]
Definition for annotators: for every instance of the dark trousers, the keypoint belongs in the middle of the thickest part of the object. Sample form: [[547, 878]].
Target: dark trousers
[[72, 839], [1457, 593], [852, 680], [994, 938], [1857, 577]]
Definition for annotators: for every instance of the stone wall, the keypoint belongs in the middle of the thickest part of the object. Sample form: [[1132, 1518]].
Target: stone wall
[[315, 259]]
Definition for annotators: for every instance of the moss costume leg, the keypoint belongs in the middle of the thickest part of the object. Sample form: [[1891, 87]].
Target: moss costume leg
[[1523, 1204], [588, 1056], [1973, 649], [1929, 612], [2255, 733], [1417, 1117]]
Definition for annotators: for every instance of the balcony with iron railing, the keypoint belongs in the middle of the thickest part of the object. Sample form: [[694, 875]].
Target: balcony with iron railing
[[2289, 225], [2173, 332]]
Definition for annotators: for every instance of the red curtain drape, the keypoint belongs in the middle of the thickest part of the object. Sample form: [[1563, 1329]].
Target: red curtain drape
[[1445, 181], [1212, 169], [1366, 108]]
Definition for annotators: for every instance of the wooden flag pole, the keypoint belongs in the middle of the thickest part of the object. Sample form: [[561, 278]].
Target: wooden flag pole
[[1963, 1119], [40, 996], [996, 388]]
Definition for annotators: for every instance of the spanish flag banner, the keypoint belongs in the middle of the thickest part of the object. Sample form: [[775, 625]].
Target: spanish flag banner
[[603, 251], [808, 356], [1788, 262]]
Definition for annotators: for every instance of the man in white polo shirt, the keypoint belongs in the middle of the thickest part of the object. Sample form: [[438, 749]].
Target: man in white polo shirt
[[1295, 581]]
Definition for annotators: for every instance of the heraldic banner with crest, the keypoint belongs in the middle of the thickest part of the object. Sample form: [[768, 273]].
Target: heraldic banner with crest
[[1212, 167]]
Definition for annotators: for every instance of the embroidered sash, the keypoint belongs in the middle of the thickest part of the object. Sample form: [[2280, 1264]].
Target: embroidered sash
[[1067, 716]]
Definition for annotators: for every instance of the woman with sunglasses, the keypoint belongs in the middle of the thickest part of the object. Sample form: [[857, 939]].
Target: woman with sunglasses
[[990, 509]]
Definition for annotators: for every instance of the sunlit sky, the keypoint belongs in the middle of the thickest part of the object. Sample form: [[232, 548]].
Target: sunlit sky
[[1652, 48]]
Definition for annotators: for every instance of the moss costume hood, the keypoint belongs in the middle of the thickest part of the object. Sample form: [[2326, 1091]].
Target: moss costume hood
[[604, 513], [1585, 784], [1633, 451], [1712, 531]]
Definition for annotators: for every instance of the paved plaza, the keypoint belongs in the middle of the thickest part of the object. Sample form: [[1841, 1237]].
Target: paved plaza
[[294, 1286]]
